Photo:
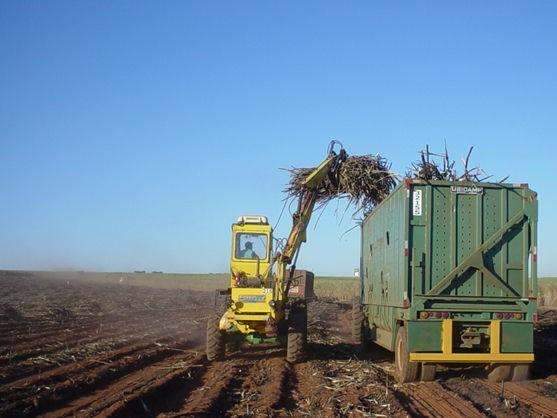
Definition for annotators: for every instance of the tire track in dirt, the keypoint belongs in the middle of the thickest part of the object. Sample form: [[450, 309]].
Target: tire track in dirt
[[269, 386], [64, 390], [253, 380], [122, 395], [539, 404], [217, 391], [37, 361], [75, 369], [362, 383], [153, 390], [69, 337], [309, 396], [484, 400], [25, 339], [430, 399]]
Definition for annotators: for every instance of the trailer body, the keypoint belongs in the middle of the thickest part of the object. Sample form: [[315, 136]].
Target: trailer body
[[455, 264]]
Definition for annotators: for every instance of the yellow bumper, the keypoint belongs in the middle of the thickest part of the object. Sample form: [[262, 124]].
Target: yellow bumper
[[472, 357], [494, 355]]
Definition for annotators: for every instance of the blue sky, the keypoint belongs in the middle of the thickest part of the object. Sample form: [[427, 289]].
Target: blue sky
[[133, 133]]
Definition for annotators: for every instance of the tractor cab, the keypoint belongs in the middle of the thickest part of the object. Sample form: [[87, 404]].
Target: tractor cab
[[250, 263], [251, 294]]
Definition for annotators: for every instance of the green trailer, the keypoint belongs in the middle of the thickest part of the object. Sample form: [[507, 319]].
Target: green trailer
[[448, 275]]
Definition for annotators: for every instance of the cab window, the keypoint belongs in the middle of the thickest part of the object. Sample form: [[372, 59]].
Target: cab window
[[250, 246]]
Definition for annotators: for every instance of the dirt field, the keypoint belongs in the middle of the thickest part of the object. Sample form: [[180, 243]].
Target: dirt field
[[70, 347]]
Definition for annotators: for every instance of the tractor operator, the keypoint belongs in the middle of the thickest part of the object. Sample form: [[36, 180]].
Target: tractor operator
[[248, 252]]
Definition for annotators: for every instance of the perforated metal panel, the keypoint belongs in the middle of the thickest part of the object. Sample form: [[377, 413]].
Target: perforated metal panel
[[442, 227], [453, 225]]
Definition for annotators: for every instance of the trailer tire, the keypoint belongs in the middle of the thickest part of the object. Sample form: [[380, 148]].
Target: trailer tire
[[520, 372], [427, 372], [358, 318], [500, 373], [297, 335], [406, 370], [215, 348]]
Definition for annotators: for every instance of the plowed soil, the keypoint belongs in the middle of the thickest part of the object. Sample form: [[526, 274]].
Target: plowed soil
[[75, 348]]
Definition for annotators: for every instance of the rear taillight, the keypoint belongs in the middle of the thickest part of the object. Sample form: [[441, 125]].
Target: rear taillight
[[424, 315], [507, 315], [435, 314]]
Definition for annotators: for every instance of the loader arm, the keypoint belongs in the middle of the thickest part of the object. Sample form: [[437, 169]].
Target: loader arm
[[300, 222]]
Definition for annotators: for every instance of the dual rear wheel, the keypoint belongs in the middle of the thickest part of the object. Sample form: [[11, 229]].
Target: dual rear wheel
[[406, 370]]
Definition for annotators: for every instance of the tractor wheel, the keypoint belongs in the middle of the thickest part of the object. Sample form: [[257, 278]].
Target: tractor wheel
[[215, 348], [358, 335], [297, 335], [406, 370], [500, 373], [427, 373], [304, 325], [520, 372]]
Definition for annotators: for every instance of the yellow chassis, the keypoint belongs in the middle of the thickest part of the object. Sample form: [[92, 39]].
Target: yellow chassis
[[494, 355], [250, 310]]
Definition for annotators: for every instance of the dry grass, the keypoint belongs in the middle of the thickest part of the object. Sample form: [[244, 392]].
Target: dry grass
[[340, 288], [548, 292]]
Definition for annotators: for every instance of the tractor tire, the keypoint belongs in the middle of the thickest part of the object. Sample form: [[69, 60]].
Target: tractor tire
[[520, 372], [405, 370], [304, 325], [216, 344], [357, 325], [297, 335], [500, 373], [427, 373]]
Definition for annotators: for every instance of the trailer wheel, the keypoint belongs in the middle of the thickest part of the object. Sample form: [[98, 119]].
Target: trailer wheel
[[406, 370], [520, 372], [215, 348], [297, 335], [358, 336], [427, 372], [500, 373]]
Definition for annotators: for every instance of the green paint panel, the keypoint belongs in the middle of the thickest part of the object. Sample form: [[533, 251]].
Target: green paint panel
[[383, 261], [442, 263], [517, 337], [462, 247], [424, 336]]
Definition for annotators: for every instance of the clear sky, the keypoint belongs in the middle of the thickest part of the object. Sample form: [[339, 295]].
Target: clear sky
[[134, 133]]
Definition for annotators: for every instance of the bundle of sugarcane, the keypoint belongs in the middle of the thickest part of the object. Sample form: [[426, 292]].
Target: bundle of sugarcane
[[429, 168], [364, 180]]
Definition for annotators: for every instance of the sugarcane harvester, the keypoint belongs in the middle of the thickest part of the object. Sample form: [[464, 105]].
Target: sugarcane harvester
[[260, 305]]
